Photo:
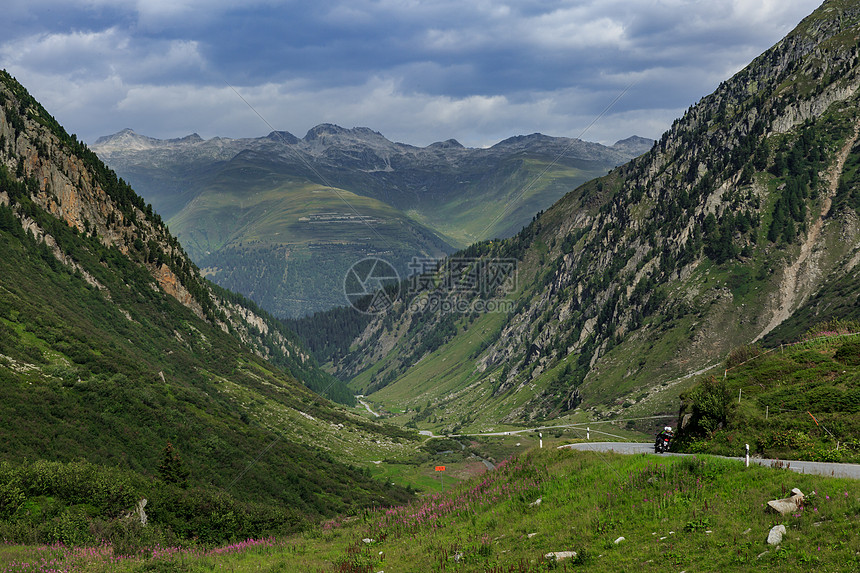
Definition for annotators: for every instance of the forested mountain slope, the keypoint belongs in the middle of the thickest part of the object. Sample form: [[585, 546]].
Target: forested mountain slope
[[745, 211], [113, 346]]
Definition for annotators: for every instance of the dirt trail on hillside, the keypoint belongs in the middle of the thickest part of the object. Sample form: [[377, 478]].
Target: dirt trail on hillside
[[788, 289]]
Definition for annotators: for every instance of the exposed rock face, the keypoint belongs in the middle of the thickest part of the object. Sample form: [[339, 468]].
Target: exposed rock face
[[169, 282], [560, 555], [69, 189]]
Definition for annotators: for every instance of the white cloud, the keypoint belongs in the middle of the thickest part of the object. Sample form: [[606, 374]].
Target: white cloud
[[99, 55], [67, 51], [575, 28]]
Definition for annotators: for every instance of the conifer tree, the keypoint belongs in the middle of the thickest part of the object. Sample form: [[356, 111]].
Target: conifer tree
[[171, 468]]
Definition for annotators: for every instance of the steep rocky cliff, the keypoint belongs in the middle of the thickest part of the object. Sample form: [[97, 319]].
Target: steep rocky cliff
[[67, 180]]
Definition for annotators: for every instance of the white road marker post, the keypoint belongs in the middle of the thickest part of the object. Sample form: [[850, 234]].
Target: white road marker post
[[587, 433], [748, 455], [541, 438]]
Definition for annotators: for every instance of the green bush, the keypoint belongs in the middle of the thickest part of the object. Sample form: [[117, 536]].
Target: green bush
[[709, 406], [70, 528], [79, 503], [784, 440], [849, 354], [11, 498], [742, 354]]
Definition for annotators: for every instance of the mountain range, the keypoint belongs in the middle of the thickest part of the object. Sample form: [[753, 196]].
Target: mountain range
[[282, 219]]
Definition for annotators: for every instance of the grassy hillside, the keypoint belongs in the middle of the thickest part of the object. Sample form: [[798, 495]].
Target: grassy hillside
[[271, 210], [287, 244], [112, 347], [794, 401], [112, 374], [615, 512], [679, 514], [498, 202]]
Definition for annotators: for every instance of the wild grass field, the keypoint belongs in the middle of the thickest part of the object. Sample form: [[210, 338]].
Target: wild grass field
[[617, 513]]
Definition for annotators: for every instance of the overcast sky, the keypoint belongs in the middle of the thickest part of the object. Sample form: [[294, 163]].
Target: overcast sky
[[417, 71]]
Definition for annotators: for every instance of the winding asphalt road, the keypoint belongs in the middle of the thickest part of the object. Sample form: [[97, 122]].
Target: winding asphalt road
[[819, 468]]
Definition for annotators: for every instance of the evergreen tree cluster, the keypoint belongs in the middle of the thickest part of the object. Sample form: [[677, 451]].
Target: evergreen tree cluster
[[171, 468], [789, 213], [329, 334]]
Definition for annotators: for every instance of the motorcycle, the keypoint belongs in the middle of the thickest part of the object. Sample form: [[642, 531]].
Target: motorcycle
[[661, 445]]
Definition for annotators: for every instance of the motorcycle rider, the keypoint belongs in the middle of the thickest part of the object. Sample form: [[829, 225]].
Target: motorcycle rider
[[665, 434]]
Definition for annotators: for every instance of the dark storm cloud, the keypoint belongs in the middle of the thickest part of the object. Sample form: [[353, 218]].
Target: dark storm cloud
[[416, 71]]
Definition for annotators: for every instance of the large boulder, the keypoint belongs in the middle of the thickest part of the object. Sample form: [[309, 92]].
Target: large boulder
[[774, 536], [787, 505]]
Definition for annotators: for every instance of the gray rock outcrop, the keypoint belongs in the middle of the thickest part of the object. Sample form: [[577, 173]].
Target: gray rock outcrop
[[774, 536]]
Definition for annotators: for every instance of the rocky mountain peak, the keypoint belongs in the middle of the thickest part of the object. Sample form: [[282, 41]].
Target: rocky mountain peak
[[123, 133], [329, 135], [324, 130], [521, 140], [633, 145], [128, 140], [447, 144], [193, 138], [283, 137]]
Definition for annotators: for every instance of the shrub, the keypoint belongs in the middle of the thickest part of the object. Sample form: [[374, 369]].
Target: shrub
[[784, 440], [11, 498], [70, 528], [710, 405], [849, 354], [707, 406], [742, 354], [832, 327]]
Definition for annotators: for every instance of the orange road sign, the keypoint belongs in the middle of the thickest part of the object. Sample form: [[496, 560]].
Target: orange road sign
[[440, 468]]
